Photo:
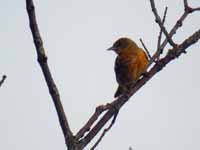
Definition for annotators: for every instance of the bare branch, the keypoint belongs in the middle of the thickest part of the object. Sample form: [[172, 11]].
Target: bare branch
[[86, 128], [196, 9], [187, 43], [159, 50], [160, 33], [42, 59], [145, 48], [185, 4], [158, 20], [189, 9], [105, 131], [2, 80], [171, 33]]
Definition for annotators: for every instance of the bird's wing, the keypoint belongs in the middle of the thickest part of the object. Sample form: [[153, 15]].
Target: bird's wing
[[124, 69]]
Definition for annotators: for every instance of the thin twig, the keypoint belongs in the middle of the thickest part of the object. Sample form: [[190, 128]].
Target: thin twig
[[188, 8], [86, 128], [105, 131], [160, 33], [196, 9], [146, 50], [42, 59], [2, 80], [185, 4], [158, 20]]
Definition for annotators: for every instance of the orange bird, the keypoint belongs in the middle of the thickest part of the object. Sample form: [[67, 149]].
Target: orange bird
[[130, 63]]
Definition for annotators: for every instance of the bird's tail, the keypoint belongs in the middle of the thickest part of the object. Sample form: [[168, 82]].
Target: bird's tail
[[120, 90]]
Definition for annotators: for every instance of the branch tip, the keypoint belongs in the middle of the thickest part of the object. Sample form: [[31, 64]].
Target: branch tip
[[145, 48], [3, 79]]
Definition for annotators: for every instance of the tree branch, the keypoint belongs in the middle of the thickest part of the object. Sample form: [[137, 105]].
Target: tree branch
[[2, 80], [42, 60], [99, 110], [105, 131], [160, 33], [146, 50], [158, 20], [196, 9]]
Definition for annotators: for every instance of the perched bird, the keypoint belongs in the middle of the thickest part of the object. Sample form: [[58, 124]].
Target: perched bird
[[130, 63]]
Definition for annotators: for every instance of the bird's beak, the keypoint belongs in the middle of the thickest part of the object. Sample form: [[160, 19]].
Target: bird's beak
[[111, 49]]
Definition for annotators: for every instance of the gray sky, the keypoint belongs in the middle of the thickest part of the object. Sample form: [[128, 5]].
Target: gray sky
[[164, 114]]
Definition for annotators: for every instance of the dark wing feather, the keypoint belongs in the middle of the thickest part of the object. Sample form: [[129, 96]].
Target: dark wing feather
[[122, 72]]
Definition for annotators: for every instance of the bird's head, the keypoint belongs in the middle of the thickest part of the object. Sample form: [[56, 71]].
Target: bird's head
[[123, 45]]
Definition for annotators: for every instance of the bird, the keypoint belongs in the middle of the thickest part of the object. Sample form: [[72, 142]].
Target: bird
[[131, 63]]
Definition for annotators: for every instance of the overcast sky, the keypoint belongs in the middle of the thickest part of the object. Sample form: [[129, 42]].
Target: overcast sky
[[162, 115]]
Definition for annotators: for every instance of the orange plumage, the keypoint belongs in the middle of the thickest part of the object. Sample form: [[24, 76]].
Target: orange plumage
[[130, 63]]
